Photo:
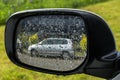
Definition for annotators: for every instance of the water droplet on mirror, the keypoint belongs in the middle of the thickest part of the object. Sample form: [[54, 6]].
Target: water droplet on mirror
[[55, 42]]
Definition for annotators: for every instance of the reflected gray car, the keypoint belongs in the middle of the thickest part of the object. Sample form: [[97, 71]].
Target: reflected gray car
[[62, 47]]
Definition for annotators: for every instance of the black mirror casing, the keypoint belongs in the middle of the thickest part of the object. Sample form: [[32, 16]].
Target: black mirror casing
[[101, 48]]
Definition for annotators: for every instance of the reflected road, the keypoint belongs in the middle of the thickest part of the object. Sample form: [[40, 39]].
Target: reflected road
[[51, 63]]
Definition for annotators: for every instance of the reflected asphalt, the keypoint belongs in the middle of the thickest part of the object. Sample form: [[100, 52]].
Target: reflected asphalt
[[52, 63]]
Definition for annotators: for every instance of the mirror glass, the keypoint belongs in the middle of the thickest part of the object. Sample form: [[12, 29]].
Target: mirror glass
[[54, 42]]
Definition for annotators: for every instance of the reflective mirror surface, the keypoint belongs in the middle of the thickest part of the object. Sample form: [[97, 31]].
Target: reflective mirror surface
[[54, 42]]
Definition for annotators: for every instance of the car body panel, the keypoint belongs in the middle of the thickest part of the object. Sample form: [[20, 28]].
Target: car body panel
[[55, 49]]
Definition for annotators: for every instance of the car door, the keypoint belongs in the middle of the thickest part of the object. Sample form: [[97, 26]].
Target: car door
[[62, 45], [58, 46], [43, 47], [47, 47], [54, 47]]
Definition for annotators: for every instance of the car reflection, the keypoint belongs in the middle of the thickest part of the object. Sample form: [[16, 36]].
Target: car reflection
[[62, 47]]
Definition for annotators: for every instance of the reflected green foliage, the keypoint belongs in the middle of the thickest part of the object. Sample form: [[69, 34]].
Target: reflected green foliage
[[33, 39], [83, 42], [8, 71], [7, 7]]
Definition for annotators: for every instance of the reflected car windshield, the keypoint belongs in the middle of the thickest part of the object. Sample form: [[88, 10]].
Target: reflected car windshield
[[55, 41], [47, 42]]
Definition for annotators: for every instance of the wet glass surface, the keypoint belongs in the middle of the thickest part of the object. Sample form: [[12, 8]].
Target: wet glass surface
[[55, 42]]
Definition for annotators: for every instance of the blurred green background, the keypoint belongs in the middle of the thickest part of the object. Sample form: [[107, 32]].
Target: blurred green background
[[108, 9]]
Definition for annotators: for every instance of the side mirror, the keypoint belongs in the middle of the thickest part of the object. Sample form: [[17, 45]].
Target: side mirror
[[75, 41]]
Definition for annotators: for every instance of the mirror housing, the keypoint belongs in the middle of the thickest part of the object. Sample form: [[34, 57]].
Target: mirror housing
[[101, 48]]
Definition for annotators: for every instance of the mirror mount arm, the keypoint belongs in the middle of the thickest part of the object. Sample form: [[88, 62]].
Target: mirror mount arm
[[117, 64]]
